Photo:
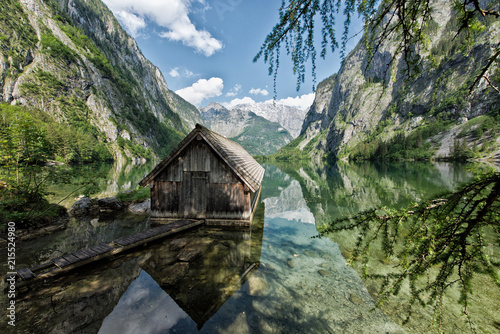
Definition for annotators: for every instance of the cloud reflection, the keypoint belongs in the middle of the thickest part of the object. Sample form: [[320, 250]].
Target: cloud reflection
[[146, 308]]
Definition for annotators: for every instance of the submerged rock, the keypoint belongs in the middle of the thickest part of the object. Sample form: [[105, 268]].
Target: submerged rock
[[256, 286], [191, 251], [324, 273], [174, 273], [355, 299]]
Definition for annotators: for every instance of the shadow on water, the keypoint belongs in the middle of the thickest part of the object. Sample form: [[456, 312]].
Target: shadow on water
[[197, 271], [77, 235]]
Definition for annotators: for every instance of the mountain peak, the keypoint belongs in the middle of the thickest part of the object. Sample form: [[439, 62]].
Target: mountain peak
[[214, 105]]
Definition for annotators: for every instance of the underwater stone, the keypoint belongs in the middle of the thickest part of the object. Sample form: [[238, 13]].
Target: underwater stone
[[324, 273]]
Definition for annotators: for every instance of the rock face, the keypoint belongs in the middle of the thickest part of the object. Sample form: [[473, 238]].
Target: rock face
[[256, 134], [360, 104], [291, 118], [72, 60]]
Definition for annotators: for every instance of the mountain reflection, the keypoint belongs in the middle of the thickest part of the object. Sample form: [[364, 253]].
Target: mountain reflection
[[160, 286], [197, 273], [269, 278]]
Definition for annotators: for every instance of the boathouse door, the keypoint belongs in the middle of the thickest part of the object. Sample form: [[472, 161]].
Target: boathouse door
[[195, 194]]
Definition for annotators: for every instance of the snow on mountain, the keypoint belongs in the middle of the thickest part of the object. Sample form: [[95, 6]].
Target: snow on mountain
[[291, 118]]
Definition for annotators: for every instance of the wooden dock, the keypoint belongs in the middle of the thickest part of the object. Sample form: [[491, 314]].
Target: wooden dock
[[67, 262]]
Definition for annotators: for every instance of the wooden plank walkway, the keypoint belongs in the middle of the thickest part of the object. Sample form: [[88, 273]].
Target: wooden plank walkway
[[67, 262]]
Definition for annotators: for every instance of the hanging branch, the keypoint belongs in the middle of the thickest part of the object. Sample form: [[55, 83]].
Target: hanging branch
[[444, 245], [400, 19]]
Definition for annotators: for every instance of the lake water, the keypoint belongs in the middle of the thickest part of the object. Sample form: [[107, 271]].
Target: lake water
[[271, 278]]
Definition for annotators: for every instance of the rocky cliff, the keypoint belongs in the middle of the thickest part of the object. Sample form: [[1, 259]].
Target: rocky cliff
[[72, 60], [366, 111], [256, 134], [291, 118]]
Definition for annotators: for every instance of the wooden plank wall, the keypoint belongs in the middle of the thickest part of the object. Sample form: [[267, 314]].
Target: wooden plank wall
[[198, 184]]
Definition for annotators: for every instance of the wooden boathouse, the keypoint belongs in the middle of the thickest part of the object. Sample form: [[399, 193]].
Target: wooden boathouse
[[206, 177]]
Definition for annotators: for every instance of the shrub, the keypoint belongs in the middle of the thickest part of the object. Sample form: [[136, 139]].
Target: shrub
[[138, 195]]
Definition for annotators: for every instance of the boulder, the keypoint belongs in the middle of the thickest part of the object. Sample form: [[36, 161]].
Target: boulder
[[143, 208], [85, 206], [109, 204]]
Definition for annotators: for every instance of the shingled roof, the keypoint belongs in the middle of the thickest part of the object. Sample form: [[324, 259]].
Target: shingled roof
[[236, 157]]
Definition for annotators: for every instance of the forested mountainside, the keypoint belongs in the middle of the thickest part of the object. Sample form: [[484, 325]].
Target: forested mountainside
[[378, 112], [256, 134], [78, 73]]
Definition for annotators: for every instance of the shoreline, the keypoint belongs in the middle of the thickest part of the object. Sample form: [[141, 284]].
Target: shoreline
[[85, 208]]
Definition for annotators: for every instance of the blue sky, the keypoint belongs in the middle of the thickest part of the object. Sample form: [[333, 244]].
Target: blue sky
[[205, 48]]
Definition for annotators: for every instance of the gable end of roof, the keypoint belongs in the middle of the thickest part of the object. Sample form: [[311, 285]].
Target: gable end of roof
[[233, 154]]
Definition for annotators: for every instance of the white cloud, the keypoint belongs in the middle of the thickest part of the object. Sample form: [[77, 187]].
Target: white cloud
[[172, 15], [201, 90], [257, 91], [234, 91], [132, 22], [177, 72], [235, 102], [174, 73], [303, 102], [189, 74]]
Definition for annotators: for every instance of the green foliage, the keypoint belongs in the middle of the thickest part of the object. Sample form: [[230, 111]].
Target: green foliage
[[291, 152], [16, 35], [53, 93], [262, 136], [77, 142], [408, 22], [44, 85], [295, 30], [134, 107], [460, 150], [135, 149], [452, 42], [23, 146], [56, 49], [439, 244], [23, 141], [77, 36], [138, 195], [401, 147], [447, 95], [483, 124]]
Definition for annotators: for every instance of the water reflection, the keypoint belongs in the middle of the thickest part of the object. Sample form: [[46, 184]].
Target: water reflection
[[78, 234], [290, 205], [343, 189], [273, 278], [78, 302], [185, 281], [196, 271], [111, 178]]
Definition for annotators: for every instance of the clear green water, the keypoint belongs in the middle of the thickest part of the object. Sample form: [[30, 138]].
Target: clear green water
[[272, 278]]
